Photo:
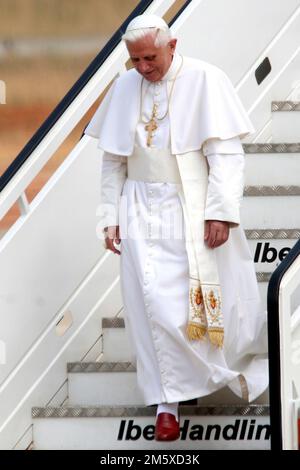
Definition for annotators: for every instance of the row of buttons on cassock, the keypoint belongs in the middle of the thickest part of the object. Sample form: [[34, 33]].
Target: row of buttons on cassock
[[146, 289]]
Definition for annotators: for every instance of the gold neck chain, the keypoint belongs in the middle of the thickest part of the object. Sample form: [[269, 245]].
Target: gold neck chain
[[152, 124]]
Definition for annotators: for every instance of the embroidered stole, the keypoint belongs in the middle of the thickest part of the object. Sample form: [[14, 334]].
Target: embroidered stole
[[205, 314]]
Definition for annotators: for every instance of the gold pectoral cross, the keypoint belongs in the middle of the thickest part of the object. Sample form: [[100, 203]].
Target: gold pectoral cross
[[151, 126]]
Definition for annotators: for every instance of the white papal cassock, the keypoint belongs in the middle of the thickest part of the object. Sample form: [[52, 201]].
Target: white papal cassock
[[154, 262]]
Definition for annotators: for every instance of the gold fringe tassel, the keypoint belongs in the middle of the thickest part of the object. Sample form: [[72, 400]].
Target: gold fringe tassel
[[216, 337], [196, 331]]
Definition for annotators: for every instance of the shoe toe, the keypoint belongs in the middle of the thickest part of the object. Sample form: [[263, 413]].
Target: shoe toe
[[166, 427]]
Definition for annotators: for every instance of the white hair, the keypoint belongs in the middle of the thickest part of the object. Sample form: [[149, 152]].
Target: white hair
[[161, 36]]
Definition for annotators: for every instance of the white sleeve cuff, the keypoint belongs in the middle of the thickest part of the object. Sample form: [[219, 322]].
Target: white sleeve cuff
[[114, 174], [228, 146], [225, 188]]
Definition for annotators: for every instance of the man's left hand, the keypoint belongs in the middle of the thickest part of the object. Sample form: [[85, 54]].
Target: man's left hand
[[216, 233]]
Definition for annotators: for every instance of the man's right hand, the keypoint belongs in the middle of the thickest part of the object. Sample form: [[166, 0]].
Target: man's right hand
[[112, 236]]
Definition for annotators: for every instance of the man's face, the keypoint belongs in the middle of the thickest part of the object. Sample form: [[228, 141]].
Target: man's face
[[150, 61]]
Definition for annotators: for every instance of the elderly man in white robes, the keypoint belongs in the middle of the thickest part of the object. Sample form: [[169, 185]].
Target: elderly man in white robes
[[172, 183]]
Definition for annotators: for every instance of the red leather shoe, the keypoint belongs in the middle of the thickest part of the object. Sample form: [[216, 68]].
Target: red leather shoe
[[166, 427]]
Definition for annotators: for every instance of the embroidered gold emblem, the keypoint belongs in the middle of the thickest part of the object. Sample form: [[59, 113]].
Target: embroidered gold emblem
[[212, 299], [197, 303], [213, 306], [198, 296], [205, 314]]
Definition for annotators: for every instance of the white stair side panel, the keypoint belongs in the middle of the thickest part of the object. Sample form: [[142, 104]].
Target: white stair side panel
[[44, 370], [273, 169], [274, 212], [60, 397], [295, 359], [104, 389], [51, 345], [263, 287], [280, 90], [295, 308], [102, 433], [216, 29], [278, 85], [116, 345], [265, 133], [42, 259], [286, 126], [217, 22], [26, 441], [11, 434]]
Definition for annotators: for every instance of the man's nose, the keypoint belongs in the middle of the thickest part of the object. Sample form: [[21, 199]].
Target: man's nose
[[143, 67]]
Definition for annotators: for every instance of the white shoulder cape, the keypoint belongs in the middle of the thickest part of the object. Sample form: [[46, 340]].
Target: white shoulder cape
[[204, 106]]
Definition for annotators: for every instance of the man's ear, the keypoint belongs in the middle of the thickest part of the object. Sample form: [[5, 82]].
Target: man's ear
[[172, 44]]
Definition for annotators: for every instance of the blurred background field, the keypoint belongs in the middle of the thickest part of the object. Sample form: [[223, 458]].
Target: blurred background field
[[28, 18], [36, 81], [45, 45]]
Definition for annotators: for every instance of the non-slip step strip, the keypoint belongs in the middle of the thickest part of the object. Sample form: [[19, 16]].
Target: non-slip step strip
[[285, 106], [140, 411], [273, 234], [260, 191], [280, 147], [117, 322], [263, 276], [87, 367]]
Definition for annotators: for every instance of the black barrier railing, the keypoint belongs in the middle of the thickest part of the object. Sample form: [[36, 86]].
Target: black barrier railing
[[274, 347], [73, 92]]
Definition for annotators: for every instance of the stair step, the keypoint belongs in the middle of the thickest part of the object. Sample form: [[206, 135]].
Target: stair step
[[117, 346], [202, 427], [271, 169], [285, 121], [99, 384], [264, 212]]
